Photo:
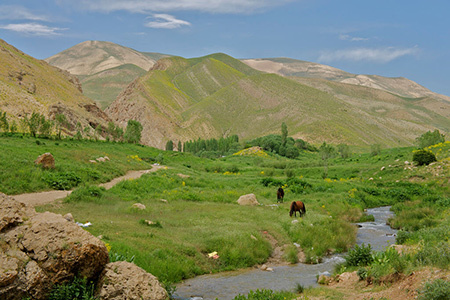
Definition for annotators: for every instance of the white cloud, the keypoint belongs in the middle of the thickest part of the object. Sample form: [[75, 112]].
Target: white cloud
[[346, 37], [147, 6], [381, 55], [166, 21], [15, 12], [33, 29]]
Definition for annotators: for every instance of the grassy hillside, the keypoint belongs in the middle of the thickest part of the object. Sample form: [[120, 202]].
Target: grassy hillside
[[103, 87], [217, 95], [200, 214], [104, 68], [28, 84]]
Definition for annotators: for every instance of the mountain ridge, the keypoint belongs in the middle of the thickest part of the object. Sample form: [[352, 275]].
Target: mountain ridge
[[182, 99]]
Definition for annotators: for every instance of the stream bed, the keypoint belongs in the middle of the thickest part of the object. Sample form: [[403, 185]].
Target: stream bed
[[227, 285]]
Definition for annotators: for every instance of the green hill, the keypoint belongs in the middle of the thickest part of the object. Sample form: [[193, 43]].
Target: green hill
[[104, 68], [217, 95]]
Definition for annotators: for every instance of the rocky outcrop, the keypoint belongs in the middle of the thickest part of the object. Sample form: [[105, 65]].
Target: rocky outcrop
[[125, 281], [249, 199], [40, 250]]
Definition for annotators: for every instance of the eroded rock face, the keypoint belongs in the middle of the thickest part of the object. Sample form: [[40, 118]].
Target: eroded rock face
[[39, 250], [125, 281]]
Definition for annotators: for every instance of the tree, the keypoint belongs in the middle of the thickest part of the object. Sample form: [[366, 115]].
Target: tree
[[133, 132], [179, 146], [169, 145], [344, 150], [375, 149], [430, 138], [4, 122], [98, 131], [284, 134], [45, 127], [61, 121], [326, 152], [33, 123]]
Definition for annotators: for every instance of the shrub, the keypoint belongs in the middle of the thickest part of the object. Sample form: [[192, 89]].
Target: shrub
[[359, 256], [78, 289], [438, 289], [90, 193], [269, 181], [264, 295], [62, 181], [423, 157]]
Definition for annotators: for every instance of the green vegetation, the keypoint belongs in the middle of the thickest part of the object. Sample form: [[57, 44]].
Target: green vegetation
[[191, 208], [424, 157], [430, 138], [436, 290], [266, 295], [133, 132], [213, 148], [77, 289]]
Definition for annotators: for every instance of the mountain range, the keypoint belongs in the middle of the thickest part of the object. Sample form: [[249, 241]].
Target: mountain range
[[217, 95]]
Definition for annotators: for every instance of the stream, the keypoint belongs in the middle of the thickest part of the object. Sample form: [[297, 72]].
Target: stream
[[227, 285]]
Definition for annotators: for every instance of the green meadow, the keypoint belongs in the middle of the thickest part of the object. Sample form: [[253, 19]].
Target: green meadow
[[191, 206]]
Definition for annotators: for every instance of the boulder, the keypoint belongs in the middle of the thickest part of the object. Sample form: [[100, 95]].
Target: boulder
[[249, 199], [46, 160], [122, 280], [40, 250]]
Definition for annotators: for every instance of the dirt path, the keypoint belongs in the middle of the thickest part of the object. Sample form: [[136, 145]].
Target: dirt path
[[41, 198]]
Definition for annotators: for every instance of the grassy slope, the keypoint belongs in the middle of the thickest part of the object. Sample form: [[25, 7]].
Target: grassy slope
[[104, 86], [201, 215], [28, 84], [215, 95]]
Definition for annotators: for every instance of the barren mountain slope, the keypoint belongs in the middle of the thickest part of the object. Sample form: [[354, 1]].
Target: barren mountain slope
[[298, 68], [28, 84], [182, 99]]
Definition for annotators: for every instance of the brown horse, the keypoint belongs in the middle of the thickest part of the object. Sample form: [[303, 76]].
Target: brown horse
[[280, 195], [297, 206]]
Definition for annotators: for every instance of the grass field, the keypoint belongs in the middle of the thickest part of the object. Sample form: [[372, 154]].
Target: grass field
[[192, 206]]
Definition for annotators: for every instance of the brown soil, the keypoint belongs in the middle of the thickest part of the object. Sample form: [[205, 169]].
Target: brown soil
[[35, 199]]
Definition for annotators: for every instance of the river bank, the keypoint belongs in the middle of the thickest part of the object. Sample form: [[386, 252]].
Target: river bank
[[226, 285]]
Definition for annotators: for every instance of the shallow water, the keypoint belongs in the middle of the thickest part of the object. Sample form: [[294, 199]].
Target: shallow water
[[227, 285]]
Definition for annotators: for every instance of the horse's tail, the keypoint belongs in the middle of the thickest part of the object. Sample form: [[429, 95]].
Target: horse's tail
[[304, 208]]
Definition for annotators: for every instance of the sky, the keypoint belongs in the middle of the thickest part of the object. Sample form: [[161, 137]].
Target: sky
[[392, 38]]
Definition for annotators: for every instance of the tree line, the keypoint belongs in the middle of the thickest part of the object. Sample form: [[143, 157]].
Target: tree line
[[37, 125]]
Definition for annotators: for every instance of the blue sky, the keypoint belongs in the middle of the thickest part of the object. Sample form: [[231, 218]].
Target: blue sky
[[408, 38]]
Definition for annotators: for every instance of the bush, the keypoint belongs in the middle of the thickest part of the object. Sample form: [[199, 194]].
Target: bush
[[62, 181], [423, 157], [438, 289], [78, 289], [264, 295], [269, 181], [90, 193], [359, 256]]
